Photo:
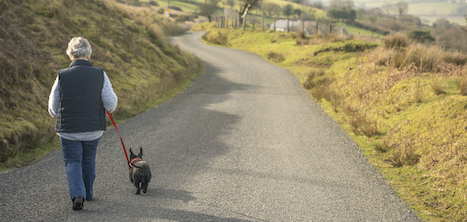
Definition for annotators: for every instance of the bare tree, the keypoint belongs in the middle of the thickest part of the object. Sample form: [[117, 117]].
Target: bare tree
[[208, 9], [348, 4], [401, 7], [230, 3], [270, 8], [388, 7]]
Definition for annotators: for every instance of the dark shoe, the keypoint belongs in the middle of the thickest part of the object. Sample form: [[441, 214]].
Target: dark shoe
[[78, 203]]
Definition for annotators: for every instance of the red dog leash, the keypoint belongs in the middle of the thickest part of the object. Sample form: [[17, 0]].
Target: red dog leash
[[124, 149]]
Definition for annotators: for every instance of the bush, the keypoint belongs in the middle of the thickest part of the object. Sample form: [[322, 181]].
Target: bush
[[175, 8], [182, 18], [154, 3], [421, 36]]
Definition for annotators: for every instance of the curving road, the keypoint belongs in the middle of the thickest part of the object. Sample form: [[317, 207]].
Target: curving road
[[244, 143]]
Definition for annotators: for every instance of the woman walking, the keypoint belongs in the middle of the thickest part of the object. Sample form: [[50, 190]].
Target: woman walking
[[78, 100]]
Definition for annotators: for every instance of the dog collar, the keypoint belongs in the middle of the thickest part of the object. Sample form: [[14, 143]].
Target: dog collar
[[133, 160]]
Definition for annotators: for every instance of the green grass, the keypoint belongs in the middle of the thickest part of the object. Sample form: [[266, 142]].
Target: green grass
[[358, 31], [415, 136]]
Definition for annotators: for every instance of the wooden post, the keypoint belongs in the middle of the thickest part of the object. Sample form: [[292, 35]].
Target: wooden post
[[244, 21], [303, 26], [226, 22], [262, 21], [253, 22], [234, 21], [316, 32], [287, 24], [275, 24]]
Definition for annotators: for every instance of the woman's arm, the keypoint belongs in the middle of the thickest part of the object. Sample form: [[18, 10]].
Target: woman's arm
[[109, 98], [54, 99]]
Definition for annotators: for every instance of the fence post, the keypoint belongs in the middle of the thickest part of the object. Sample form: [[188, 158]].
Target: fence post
[[244, 21], [275, 24], [316, 32], [330, 29], [253, 22], [303, 26], [234, 21], [262, 21], [287, 24]]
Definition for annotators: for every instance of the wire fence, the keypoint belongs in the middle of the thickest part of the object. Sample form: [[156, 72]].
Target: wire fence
[[277, 24]]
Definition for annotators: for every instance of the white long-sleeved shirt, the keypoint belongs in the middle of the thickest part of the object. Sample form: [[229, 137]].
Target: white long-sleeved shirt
[[109, 100]]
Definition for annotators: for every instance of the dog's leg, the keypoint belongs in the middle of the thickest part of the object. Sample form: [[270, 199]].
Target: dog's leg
[[136, 183], [145, 187]]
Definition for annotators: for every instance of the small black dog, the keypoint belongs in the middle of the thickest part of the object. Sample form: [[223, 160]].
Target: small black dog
[[139, 171]]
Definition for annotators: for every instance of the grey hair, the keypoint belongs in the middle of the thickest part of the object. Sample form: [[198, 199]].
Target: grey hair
[[79, 47]]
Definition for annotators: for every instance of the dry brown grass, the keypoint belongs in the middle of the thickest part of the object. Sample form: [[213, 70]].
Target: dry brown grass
[[398, 41], [463, 83], [419, 58], [333, 37]]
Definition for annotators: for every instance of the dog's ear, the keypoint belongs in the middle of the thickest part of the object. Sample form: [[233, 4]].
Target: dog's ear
[[131, 152], [141, 151]]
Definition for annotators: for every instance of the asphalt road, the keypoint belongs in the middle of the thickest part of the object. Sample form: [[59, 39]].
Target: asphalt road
[[244, 143]]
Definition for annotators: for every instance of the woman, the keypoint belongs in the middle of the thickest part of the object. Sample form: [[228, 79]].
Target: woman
[[78, 100]]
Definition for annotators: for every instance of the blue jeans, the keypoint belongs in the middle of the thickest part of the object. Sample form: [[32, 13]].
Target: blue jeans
[[80, 165]]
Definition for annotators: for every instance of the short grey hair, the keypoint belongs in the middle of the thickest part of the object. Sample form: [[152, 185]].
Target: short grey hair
[[79, 47]]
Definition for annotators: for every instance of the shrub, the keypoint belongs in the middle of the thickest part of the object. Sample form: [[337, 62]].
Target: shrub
[[154, 3], [301, 38], [175, 8], [421, 36]]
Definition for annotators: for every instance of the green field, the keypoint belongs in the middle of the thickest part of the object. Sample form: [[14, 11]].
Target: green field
[[431, 19], [432, 8], [358, 31]]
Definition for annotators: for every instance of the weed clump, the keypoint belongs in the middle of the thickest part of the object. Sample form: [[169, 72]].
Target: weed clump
[[398, 41], [463, 84], [309, 82], [275, 57]]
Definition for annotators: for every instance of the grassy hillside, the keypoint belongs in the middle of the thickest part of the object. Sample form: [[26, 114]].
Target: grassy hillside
[[403, 103], [128, 42], [191, 6]]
